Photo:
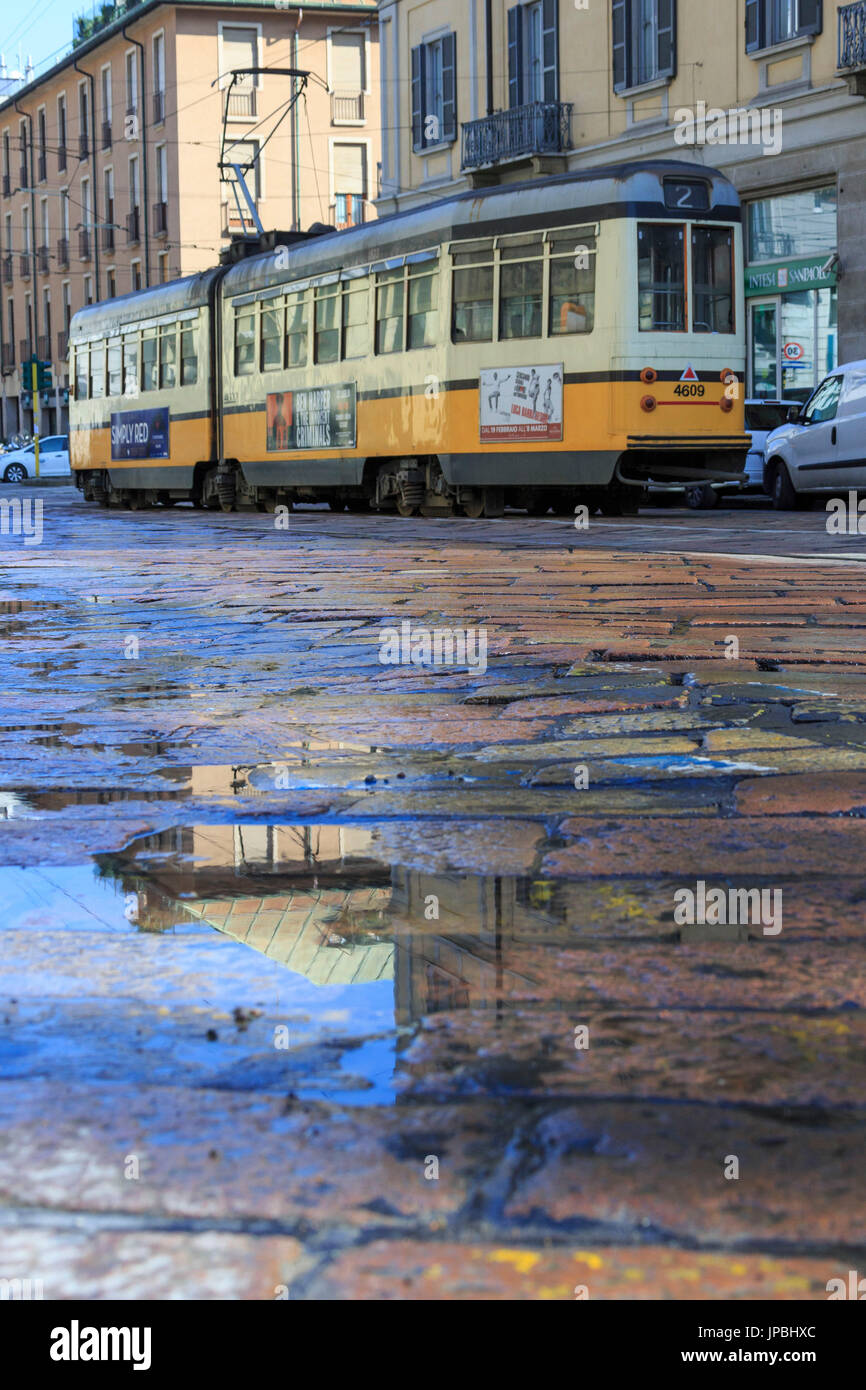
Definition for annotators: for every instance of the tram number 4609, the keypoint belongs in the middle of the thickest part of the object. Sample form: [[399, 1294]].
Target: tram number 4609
[[688, 388]]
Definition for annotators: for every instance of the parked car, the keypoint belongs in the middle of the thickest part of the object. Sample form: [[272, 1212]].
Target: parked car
[[762, 417], [19, 465], [822, 448]]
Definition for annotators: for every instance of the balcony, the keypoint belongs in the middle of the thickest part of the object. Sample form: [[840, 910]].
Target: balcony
[[83, 146], [24, 265], [62, 346], [43, 347], [7, 269], [852, 46], [25, 351], [158, 108], [347, 108], [133, 227], [523, 132], [106, 135], [42, 167], [63, 252], [241, 103], [43, 260], [107, 238], [160, 219], [61, 158], [84, 245], [8, 359], [7, 186]]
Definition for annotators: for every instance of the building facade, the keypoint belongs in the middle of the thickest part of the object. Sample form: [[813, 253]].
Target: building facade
[[771, 92], [110, 176]]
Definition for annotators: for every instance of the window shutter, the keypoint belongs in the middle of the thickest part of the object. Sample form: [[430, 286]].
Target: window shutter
[[347, 62], [515, 56], [449, 87], [417, 98], [550, 48], [349, 169], [620, 44], [240, 50], [810, 17], [754, 24], [667, 38]]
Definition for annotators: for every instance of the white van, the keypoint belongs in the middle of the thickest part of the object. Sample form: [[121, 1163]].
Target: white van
[[822, 448]]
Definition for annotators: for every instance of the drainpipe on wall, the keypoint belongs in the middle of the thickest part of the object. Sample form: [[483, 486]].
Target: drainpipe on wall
[[488, 40], [94, 171], [29, 156], [144, 190]]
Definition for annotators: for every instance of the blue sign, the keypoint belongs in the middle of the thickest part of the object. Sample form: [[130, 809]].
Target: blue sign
[[140, 434]]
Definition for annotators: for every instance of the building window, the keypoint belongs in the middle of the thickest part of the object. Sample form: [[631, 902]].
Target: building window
[[110, 283], [135, 274], [132, 88], [239, 50], [42, 153], [245, 154], [347, 76], [163, 269], [158, 78], [533, 53], [88, 289], [349, 183], [644, 42], [434, 92], [792, 224], [770, 22], [61, 133]]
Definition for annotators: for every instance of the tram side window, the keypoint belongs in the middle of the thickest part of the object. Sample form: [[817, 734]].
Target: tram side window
[[148, 360], [130, 366], [188, 357], [521, 287], [327, 331], [97, 371], [115, 360], [296, 330], [472, 292], [712, 280], [389, 311], [167, 357], [356, 303], [82, 373], [423, 304], [572, 285], [245, 341], [661, 277], [271, 359]]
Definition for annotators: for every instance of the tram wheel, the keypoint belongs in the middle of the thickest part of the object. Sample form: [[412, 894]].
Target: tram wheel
[[406, 508]]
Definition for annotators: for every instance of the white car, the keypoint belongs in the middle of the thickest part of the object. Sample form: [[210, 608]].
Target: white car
[[822, 448], [19, 465]]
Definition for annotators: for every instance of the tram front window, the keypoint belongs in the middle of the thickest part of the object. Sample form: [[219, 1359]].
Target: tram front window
[[713, 279], [661, 277]]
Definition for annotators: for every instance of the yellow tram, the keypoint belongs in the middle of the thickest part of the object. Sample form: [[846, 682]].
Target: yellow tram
[[535, 344]]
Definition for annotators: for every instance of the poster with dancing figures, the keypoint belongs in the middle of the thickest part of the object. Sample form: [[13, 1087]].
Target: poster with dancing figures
[[520, 405]]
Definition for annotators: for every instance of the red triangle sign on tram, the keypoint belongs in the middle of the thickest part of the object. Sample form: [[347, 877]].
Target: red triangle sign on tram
[[689, 374]]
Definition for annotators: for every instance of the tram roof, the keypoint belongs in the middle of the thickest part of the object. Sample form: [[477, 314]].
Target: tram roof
[[109, 315], [590, 195]]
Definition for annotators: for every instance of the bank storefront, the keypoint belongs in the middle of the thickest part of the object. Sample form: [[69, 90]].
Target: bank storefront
[[791, 292]]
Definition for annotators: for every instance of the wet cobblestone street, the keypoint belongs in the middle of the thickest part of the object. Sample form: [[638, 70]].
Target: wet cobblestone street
[[323, 977]]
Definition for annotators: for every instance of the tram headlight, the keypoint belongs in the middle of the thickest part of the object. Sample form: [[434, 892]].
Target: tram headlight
[[726, 403], [649, 375], [728, 376], [648, 403]]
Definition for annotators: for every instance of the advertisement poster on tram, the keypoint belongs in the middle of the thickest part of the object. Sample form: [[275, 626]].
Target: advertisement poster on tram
[[140, 434], [322, 418], [521, 405]]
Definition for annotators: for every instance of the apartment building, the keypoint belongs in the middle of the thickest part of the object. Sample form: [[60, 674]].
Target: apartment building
[[772, 92], [110, 176]]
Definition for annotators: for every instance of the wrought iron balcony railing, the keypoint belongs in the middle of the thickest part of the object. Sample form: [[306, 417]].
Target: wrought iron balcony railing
[[25, 350], [852, 35], [108, 238], [24, 265], [160, 219], [347, 108], [43, 260], [539, 127]]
